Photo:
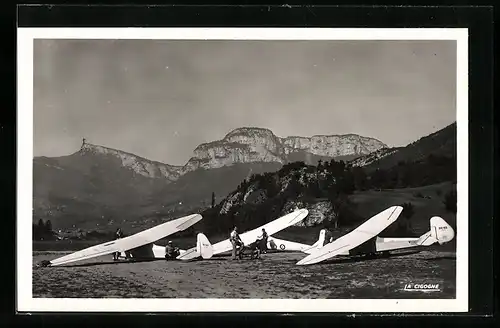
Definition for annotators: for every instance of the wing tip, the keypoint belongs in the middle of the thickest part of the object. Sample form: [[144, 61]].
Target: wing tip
[[45, 263], [395, 207], [196, 216], [305, 260]]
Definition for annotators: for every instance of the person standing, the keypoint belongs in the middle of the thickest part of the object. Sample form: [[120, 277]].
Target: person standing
[[118, 235], [328, 236], [263, 241], [235, 239]]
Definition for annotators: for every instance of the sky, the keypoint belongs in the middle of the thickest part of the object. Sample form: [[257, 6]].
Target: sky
[[159, 99]]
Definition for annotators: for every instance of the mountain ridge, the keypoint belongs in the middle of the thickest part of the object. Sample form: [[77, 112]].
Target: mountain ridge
[[253, 144], [242, 145]]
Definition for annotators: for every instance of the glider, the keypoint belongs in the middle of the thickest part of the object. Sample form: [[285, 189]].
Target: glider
[[139, 244], [354, 244], [366, 231], [440, 232], [250, 236]]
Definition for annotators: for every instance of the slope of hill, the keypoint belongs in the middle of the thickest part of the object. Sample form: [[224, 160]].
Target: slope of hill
[[372, 157], [442, 143], [84, 187]]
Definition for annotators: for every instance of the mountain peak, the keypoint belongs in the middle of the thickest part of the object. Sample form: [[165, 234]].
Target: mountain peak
[[250, 131], [97, 149], [140, 165], [255, 144]]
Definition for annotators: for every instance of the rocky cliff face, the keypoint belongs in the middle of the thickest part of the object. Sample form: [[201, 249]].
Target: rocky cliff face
[[248, 145], [333, 145], [139, 165]]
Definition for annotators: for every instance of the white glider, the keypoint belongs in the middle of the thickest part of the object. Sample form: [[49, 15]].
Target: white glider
[[366, 231], [250, 236], [140, 242], [440, 232]]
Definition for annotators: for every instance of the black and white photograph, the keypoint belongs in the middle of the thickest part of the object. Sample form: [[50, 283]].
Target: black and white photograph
[[316, 170]]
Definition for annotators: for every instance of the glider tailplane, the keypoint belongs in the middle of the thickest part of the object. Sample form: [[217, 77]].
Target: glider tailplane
[[426, 239]]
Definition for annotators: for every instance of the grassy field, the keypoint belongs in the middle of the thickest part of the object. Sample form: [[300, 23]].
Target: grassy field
[[427, 201], [273, 276]]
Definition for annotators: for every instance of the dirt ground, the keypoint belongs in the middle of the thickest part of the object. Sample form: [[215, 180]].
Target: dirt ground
[[272, 276]]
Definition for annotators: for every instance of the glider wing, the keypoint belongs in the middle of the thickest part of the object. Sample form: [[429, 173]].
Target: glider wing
[[139, 239]]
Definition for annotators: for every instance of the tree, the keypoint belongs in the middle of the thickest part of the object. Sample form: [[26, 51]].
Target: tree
[[270, 185], [41, 225], [379, 178], [35, 232], [343, 210], [48, 226], [347, 183], [213, 199], [408, 210], [360, 178]]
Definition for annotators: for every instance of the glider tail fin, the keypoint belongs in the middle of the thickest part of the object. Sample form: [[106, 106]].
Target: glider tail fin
[[321, 239], [203, 246], [441, 230], [319, 243]]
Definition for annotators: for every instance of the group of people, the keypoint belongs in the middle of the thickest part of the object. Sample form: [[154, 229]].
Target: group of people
[[236, 241], [171, 252]]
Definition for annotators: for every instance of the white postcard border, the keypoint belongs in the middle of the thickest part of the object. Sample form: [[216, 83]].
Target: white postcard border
[[24, 264]]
